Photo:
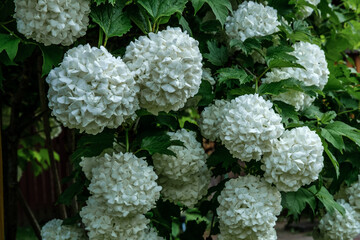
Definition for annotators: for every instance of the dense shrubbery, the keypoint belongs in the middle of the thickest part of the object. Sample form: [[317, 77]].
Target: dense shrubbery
[[149, 81]]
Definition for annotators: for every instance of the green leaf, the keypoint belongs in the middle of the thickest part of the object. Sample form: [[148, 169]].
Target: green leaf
[[327, 199], [185, 25], [112, 19], [296, 202], [52, 56], [221, 9], [168, 120], [98, 2], [342, 129], [280, 52], [162, 8], [240, 91], [206, 93], [159, 144], [226, 74], [275, 88], [286, 111], [248, 46], [332, 158], [334, 138], [221, 156], [10, 44], [197, 4], [67, 196], [280, 63], [218, 56]]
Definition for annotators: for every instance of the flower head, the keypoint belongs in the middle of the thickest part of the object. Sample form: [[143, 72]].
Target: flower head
[[91, 90], [251, 19], [167, 67], [295, 160], [248, 126], [248, 208], [52, 21], [54, 230], [353, 193], [125, 183]]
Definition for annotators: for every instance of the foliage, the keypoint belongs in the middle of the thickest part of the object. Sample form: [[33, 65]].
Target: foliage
[[115, 23]]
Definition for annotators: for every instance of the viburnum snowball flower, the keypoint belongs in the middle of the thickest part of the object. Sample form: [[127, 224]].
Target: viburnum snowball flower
[[336, 226], [248, 126], [251, 19], [168, 68], [54, 230], [125, 183], [91, 90], [150, 234], [187, 193], [211, 118], [52, 21], [306, 10], [206, 75], [101, 224], [353, 194], [312, 58], [88, 164], [296, 159], [188, 161], [248, 208]]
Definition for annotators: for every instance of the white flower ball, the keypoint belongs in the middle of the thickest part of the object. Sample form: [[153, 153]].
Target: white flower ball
[[353, 194], [168, 68], [125, 183], [187, 193], [306, 11], [88, 164], [101, 224], [248, 208], [54, 230], [340, 227], [248, 126], [206, 75], [150, 234], [92, 90], [188, 161], [312, 58], [251, 19], [52, 21], [211, 118], [296, 159]]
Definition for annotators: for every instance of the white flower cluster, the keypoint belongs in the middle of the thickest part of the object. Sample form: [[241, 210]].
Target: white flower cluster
[[295, 159], [251, 19], [54, 230], [249, 126], [248, 208], [306, 11], [101, 223], [167, 67], [312, 58], [92, 90], [188, 161], [336, 226], [52, 21], [211, 118], [206, 75], [125, 183], [184, 178], [187, 193], [353, 194]]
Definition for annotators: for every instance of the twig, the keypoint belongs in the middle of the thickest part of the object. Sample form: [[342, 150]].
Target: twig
[[29, 213], [48, 144]]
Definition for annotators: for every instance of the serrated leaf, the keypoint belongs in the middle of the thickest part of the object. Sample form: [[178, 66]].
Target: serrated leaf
[[10, 44], [248, 46], [345, 130], [275, 88], [327, 199], [296, 202], [220, 9], [226, 74], [280, 52], [112, 19], [286, 111], [52, 56], [162, 8], [206, 93], [334, 138], [332, 158], [281, 63], [241, 91], [159, 144], [218, 56]]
